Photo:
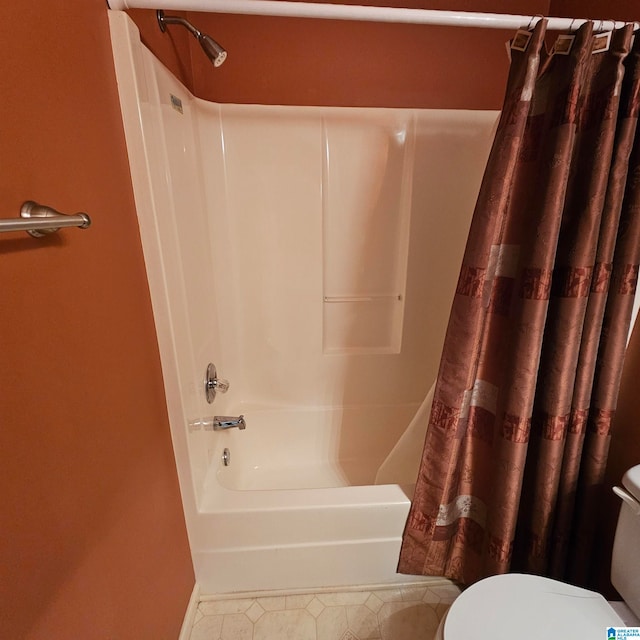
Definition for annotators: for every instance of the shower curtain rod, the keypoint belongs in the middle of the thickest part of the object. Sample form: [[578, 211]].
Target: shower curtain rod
[[286, 8]]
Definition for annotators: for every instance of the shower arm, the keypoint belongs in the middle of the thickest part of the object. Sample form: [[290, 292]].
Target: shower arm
[[164, 20]]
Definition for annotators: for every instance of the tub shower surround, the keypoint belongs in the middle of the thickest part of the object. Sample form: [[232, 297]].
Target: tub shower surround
[[311, 254]]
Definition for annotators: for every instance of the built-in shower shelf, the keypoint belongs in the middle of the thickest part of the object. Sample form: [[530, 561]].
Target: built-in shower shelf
[[365, 323], [366, 206], [364, 298]]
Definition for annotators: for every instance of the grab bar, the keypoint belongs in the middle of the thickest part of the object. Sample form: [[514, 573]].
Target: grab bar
[[39, 220]]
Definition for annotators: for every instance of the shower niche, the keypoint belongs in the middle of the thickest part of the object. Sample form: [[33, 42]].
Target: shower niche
[[366, 211]]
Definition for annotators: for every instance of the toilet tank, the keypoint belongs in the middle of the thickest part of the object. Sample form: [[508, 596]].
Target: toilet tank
[[625, 561]]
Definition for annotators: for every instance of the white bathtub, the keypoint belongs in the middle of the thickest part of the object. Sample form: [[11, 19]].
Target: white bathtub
[[307, 448], [293, 511]]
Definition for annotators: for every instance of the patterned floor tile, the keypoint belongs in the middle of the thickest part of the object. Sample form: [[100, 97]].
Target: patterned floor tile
[[315, 607], [273, 603], [207, 628], [363, 622], [430, 597], [447, 593], [374, 603], [332, 624], [236, 626], [389, 595], [407, 621], [441, 609], [254, 612], [396, 613], [410, 594], [221, 607], [298, 602], [343, 598], [292, 623]]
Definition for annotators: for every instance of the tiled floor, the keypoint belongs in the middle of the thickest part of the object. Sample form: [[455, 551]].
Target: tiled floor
[[402, 613]]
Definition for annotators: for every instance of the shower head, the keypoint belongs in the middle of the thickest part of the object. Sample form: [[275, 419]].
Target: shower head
[[216, 53]]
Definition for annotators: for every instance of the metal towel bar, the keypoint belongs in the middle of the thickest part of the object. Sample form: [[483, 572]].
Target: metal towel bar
[[39, 220]]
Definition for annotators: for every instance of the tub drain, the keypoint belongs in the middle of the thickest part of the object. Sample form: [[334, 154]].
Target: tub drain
[[226, 457]]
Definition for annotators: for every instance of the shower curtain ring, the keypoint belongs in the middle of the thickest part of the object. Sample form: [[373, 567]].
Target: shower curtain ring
[[536, 18]]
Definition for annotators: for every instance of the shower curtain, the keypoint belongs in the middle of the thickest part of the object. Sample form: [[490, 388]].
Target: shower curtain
[[518, 435]]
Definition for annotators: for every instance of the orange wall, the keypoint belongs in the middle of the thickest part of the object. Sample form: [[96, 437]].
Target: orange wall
[[324, 62], [93, 542]]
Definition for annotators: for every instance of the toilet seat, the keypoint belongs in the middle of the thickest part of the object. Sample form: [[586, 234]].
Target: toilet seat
[[527, 607]]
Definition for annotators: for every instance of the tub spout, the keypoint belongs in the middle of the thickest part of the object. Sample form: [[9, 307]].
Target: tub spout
[[228, 422]]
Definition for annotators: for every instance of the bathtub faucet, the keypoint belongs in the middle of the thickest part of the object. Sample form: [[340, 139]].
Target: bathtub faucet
[[228, 422]]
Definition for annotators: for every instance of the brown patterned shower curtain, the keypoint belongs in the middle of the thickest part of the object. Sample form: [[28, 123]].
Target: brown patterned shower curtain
[[519, 431]]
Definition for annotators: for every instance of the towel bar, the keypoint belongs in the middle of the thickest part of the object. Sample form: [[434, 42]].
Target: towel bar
[[39, 220]]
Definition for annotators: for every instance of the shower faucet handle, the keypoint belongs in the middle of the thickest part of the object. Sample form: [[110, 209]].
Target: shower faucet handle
[[212, 383]]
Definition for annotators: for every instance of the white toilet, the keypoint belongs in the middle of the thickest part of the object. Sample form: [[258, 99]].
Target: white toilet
[[529, 607]]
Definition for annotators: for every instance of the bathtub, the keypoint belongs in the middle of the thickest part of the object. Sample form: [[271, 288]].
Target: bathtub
[[305, 514]]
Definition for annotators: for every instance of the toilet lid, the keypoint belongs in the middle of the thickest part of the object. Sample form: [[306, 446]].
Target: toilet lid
[[528, 608]]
